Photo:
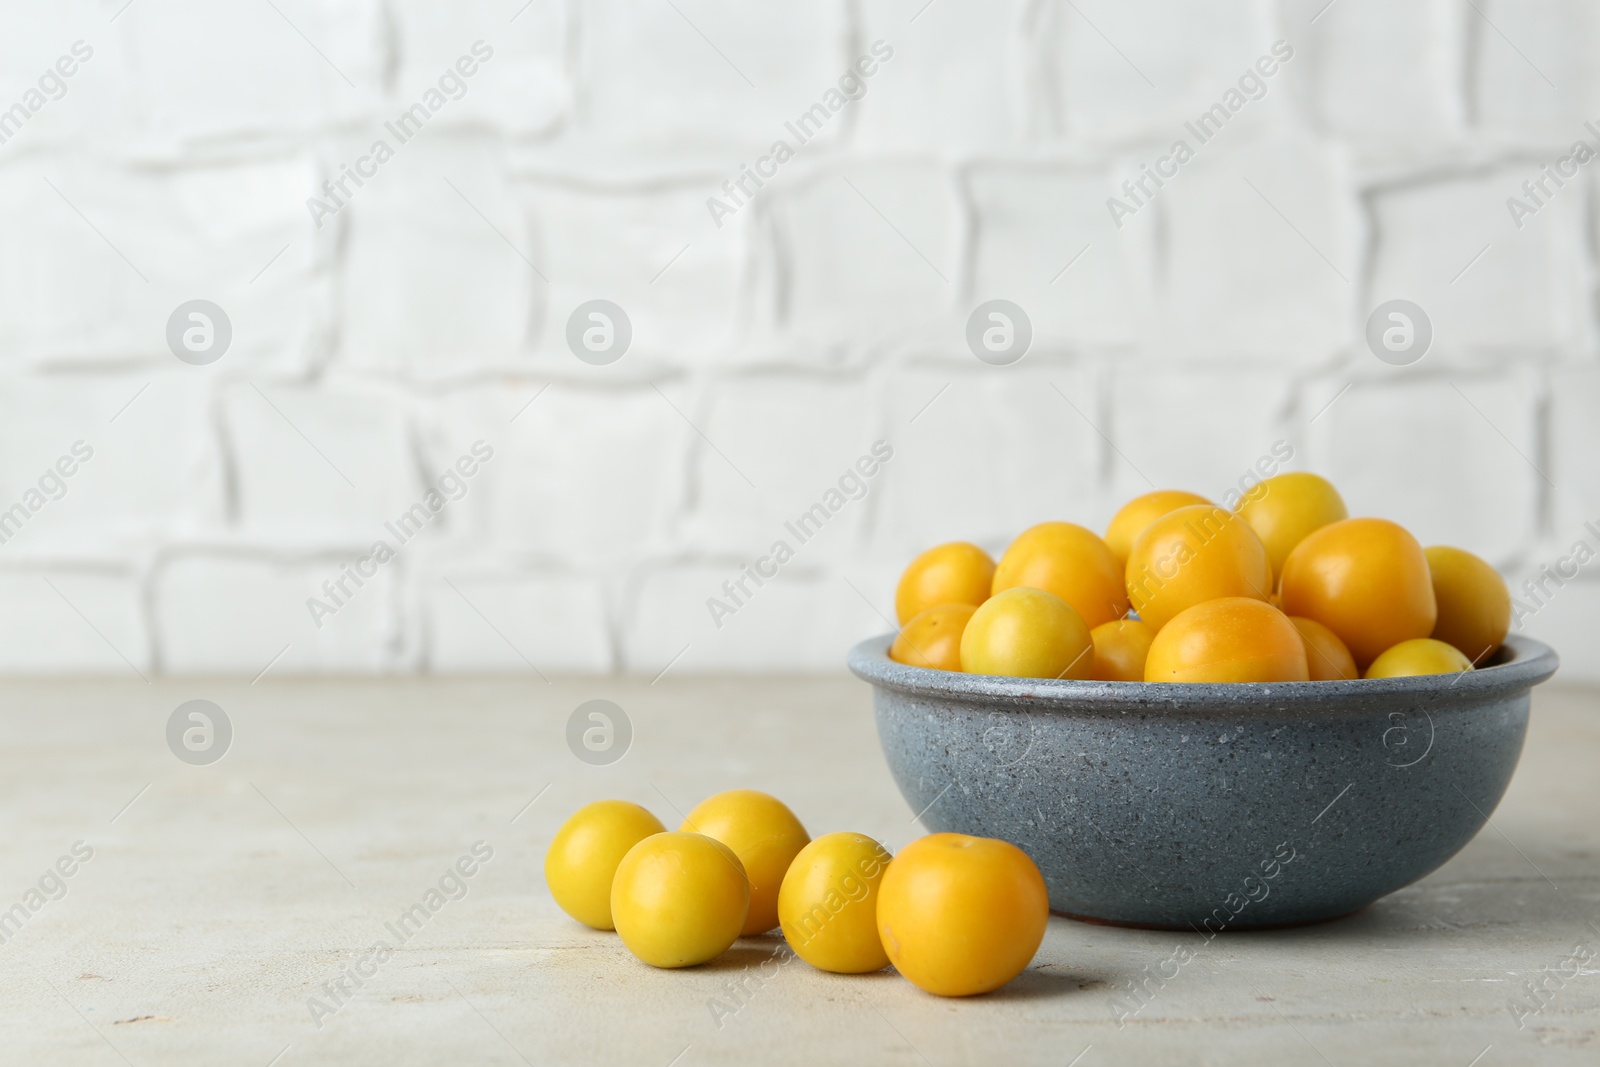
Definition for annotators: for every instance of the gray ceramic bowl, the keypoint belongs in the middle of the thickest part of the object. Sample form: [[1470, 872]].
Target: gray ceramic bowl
[[1210, 806]]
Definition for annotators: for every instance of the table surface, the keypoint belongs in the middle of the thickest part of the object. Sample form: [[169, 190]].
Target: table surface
[[221, 901]]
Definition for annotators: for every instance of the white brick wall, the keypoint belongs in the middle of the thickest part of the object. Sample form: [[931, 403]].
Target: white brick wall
[[769, 352]]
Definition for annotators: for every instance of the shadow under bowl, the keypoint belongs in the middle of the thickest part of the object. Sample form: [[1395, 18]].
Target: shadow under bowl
[[1208, 806]]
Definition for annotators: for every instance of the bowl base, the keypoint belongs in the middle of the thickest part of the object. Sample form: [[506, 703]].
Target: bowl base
[[1123, 924]]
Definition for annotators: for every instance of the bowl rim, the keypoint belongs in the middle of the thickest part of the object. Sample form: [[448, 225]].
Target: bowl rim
[[1528, 663]]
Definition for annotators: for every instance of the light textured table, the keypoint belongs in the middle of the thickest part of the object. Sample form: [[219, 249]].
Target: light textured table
[[224, 897]]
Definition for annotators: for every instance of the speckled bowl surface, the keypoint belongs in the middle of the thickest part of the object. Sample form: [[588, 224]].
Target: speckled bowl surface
[[1210, 806]]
